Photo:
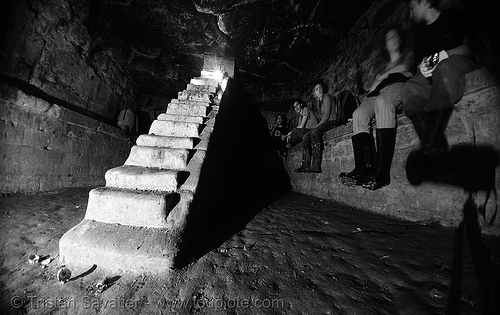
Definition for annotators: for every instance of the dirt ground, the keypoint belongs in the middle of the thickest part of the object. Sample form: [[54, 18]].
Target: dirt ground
[[299, 255]]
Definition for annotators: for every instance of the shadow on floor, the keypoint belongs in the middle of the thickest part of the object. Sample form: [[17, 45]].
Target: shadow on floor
[[240, 175]]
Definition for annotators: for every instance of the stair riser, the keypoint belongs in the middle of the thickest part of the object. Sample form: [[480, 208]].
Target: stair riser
[[123, 178], [174, 129], [128, 208], [187, 110], [164, 142], [164, 158]]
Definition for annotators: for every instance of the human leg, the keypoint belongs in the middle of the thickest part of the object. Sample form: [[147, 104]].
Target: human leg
[[306, 152], [316, 136], [362, 143], [414, 94], [385, 114]]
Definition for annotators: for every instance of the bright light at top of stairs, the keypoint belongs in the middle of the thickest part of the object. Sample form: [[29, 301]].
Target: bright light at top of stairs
[[217, 75]]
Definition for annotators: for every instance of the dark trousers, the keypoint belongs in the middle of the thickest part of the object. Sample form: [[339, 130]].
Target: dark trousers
[[314, 136], [447, 87]]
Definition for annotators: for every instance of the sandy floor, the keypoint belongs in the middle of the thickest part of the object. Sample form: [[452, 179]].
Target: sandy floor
[[300, 255]]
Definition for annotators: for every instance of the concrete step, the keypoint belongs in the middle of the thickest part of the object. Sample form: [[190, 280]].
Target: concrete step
[[190, 102], [142, 178], [187, 110], [129, 207], [180, 118], [164, 158], [174, 128], [198, 96], [165, 142], [117, 248], [206, 88], [204, 81]]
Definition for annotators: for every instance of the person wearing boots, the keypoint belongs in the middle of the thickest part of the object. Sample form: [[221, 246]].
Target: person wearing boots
[[441, 42], [307, 121], [312, 141], [381, 102]]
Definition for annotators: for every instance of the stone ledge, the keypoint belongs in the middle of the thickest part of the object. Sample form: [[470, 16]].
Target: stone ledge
[[474, 121], [474, 81]]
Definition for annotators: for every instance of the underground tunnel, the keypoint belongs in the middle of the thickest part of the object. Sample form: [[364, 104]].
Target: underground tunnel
[[139, 173]]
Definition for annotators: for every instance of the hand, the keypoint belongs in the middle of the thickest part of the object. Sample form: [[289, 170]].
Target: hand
[[426, 71]]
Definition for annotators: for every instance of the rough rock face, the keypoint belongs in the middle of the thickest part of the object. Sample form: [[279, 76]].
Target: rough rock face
[[271, 40]]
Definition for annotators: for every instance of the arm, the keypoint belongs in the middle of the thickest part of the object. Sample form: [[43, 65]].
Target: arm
[[326, 108], [304, 113]]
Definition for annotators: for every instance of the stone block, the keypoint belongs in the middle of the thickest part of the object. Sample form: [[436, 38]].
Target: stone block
[[204, 81], [190, 102], [118, 248], [164, 158], [197, 96], [141, 178], [205, 88], [174, 128], [165, 142], [128, 207], [180, 118], [187, 110]]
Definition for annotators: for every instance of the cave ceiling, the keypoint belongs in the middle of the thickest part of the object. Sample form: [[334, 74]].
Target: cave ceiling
[[163, 42]]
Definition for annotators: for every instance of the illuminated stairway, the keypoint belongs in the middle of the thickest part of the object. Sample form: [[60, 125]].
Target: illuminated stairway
[[134, 223]]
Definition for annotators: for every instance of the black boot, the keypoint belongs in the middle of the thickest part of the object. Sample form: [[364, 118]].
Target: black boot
[[386, 141], [306, 159], [418, 122], [316, 159], [364, 156], [431, 158]]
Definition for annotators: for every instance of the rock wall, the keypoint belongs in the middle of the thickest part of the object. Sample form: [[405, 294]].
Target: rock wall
[[48, 45], [44, 146], [61, 90]]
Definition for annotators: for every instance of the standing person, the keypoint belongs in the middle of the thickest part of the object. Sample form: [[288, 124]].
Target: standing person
[[278, 134], [383, 98], [307, 121], [441, 42], [312, 141]]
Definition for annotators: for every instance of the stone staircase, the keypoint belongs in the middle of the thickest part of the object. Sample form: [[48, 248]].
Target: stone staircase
[[134, 223]]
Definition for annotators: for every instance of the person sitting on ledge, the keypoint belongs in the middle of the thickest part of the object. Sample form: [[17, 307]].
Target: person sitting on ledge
[[441, 42], [383, 98], [307, 121], [312, 141]]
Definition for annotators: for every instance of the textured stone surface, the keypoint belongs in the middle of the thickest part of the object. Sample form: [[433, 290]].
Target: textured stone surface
[[164, 158], [165, 142], [129, 207], [141, 178], [45, 147], [174, 128], [299, 255]]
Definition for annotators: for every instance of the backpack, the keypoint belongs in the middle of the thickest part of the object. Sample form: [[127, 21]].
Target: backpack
[[347, 103]]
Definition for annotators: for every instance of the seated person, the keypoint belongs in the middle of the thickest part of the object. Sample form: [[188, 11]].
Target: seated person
[[307, 121], [442, 43], [278, 134], [381, 102], [312, 141]]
